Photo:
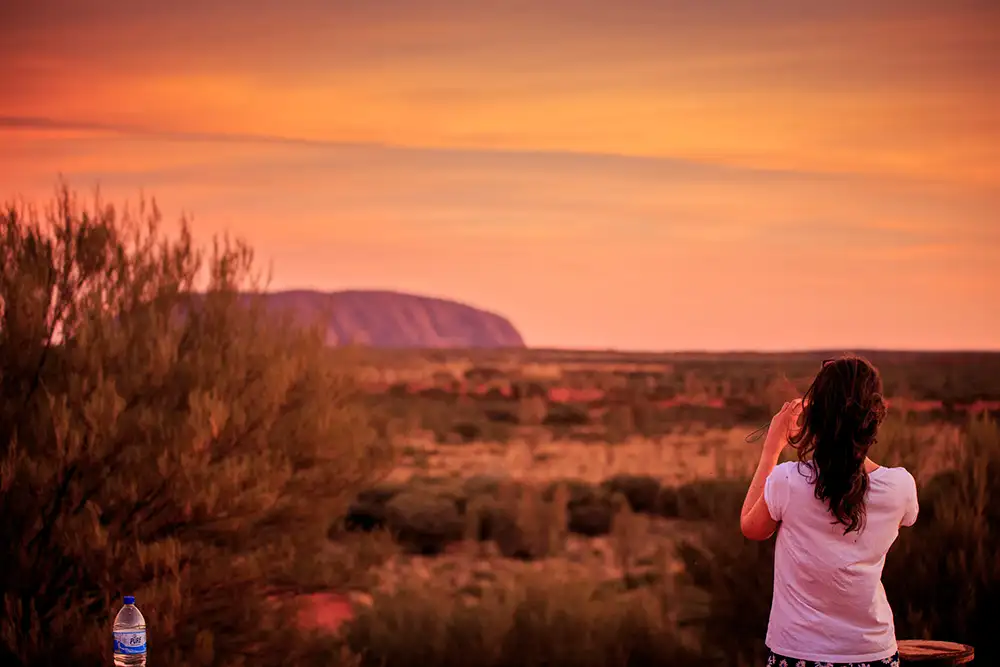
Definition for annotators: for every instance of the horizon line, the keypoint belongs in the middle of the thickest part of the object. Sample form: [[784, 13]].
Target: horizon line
[[861, 351], [805, 350]]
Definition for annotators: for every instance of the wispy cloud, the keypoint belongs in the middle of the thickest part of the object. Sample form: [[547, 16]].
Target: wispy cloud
[[845, 87], [650, 165]]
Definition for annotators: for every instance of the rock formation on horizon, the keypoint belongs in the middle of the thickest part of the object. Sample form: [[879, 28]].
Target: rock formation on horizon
[[382, 318]]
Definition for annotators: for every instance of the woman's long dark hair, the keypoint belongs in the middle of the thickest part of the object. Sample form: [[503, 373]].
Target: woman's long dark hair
[[842, 411]]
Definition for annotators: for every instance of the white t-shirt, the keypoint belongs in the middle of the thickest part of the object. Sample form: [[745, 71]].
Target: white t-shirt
[[829, 604]]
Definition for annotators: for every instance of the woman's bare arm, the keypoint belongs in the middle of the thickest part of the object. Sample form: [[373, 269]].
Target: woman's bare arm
[[755, 518], [756, 522]]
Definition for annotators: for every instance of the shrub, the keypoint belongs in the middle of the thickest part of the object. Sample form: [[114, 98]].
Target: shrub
[[362, 517], [579, 492], [538, 622], [566, 415], [592, 518], [489, 519], [668, 502], [522, 523], [448, 488], [423, 522], [468, 431], [738, 575], [500, 416], [367, 512], [711, 499], [641, 491], [942, 576], [182, 446], [503, 523], [454, 493], [589, 509]]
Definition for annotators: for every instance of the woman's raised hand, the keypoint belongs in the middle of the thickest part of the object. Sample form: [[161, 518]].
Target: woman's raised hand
[[781, 424]]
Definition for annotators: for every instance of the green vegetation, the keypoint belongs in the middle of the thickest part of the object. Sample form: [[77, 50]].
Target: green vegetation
[[161, 435]]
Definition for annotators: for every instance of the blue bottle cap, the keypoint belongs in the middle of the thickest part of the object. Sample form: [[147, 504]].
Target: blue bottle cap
[[129, 599]]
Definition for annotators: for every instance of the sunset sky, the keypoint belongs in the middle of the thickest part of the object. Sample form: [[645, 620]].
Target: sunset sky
[[740, 174]]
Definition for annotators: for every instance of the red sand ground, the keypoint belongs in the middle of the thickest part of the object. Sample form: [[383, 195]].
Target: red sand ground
[[572, 395], [323, 611]]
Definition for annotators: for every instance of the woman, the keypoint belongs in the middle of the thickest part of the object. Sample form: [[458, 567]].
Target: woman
[[836, 513]]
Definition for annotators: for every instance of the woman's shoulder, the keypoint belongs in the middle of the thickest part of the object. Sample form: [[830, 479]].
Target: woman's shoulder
[[897, 476], [795, 474], [898, 473], [793, 469]]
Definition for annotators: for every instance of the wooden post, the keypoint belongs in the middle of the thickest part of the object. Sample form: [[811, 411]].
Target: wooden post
[[930, 653]]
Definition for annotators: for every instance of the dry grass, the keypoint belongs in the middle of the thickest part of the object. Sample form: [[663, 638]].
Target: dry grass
[[694, 453], [699, 453]]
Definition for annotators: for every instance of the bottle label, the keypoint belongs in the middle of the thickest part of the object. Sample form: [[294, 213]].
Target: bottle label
[[130, 642]]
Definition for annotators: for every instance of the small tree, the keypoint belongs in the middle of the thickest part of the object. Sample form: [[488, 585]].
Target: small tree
[[175, 443]]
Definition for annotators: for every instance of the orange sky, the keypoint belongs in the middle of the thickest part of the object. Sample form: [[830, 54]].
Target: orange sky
[[630, 174]]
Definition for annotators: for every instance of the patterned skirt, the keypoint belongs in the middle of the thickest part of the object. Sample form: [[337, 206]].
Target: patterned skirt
[[775, 660]]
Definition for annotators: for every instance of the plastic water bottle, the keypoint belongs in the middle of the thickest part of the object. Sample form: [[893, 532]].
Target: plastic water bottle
[[130, 636]]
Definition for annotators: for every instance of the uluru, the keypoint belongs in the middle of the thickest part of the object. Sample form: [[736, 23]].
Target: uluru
[[389, 319]]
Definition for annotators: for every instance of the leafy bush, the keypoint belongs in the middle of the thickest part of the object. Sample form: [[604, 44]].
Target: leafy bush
[[179, 445], [579, 491], [424, 522], [592, 518], [711, 499], [367, 512], [516, 535], [488, 519], [540, 525], [566, 414], [468, 431], [668, 503], [589, 509], [641, 491]]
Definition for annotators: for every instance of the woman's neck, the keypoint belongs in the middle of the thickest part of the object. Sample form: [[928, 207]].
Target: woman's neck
[[870, 465]]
